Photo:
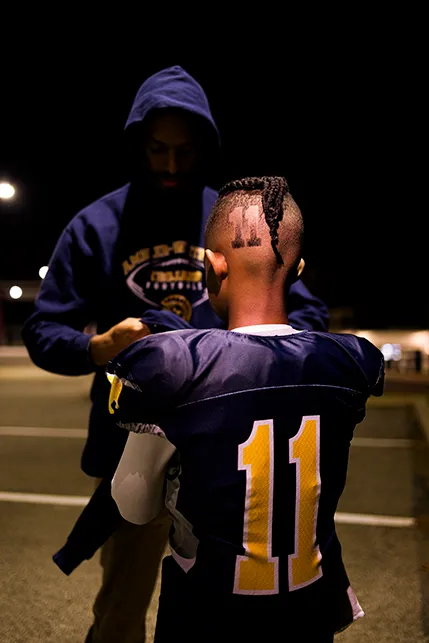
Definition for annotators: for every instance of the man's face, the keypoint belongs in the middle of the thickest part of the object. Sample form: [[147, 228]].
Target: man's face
[[172, 150]]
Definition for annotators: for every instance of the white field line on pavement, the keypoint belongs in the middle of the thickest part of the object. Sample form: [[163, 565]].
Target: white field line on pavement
[[418, 402], [42, 432], [43, 499], [374, 520]]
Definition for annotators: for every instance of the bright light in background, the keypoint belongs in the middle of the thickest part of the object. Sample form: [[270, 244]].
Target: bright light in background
[[6, 190], [391, 351], [15, 292], [43, 271], [387, 350], [405, 340], [397, 353]]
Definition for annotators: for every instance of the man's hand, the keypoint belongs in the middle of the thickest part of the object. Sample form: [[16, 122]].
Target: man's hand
[[106, 346]]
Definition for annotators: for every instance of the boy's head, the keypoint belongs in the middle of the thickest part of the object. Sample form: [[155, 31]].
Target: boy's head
[[253, 241]]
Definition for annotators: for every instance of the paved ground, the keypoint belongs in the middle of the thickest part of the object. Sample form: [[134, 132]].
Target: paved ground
[[388, 476]]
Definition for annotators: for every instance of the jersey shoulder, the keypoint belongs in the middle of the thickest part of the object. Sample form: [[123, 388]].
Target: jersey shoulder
[[367, 358]]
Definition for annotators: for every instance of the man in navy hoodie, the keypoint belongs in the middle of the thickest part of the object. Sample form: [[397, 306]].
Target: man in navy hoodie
[[136, 250]]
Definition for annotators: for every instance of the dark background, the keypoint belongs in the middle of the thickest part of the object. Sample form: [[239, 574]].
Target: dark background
[[343, 121]]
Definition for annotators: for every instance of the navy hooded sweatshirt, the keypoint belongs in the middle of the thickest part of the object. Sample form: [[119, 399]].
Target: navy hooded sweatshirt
[[130, 252]]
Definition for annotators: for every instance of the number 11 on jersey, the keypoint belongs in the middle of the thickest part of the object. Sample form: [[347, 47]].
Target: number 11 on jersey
[[257, 572]]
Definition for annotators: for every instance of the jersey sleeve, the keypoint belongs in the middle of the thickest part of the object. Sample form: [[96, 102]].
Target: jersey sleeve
[[148, 378], [369, 359]]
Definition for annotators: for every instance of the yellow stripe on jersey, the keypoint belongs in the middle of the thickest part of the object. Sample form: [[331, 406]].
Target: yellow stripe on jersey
[[115, 392]]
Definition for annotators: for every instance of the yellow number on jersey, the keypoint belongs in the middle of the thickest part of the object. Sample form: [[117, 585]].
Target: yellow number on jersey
[[304, 563], [257, 571]]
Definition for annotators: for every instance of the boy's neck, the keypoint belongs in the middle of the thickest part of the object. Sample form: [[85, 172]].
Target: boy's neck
[[257, 309]]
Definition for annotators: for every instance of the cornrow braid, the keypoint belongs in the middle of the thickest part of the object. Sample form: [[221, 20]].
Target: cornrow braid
[[274, 189]]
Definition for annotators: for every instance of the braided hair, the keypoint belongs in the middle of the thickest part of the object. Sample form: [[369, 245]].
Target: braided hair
[[274, 189]]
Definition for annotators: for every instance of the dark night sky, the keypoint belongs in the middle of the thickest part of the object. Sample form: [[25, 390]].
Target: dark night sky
[[343, 127]]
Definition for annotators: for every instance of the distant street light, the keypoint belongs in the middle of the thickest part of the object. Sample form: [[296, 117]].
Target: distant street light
[[6, 191], [15, 292], [42, 272]]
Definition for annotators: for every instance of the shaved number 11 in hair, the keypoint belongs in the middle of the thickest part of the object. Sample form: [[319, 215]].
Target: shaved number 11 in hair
[[246, 226]]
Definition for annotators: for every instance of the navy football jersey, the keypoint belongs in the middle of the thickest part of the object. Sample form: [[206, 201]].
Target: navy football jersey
[[253, 430]]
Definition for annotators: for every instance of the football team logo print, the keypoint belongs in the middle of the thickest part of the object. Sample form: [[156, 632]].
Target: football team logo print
[[179, 305], [168, 276]]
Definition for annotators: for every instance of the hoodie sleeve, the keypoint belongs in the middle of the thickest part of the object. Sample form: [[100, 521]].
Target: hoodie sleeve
[[54, 334], [305, 311]]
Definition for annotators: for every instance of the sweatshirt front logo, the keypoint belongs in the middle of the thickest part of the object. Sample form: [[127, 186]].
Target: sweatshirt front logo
[[168, 276]]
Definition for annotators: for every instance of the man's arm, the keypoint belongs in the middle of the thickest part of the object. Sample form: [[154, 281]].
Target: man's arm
[[305, 311], [54, 334]]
